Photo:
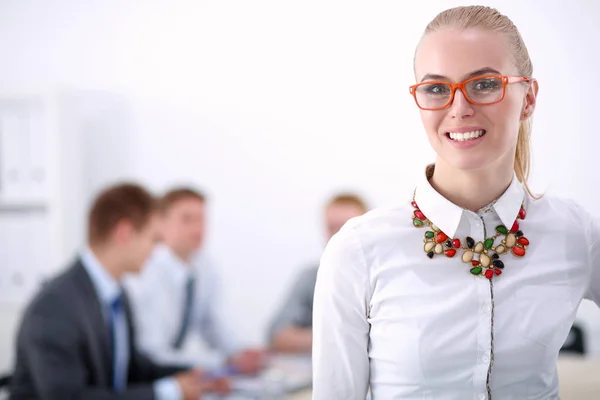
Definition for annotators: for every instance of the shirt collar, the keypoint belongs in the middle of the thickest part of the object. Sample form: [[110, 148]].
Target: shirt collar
[[447, 215], [509, 204], [106, 286]]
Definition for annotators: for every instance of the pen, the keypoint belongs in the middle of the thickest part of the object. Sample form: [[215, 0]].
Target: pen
[[222, 372]]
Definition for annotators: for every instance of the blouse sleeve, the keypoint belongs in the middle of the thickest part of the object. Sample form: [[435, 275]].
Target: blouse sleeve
[[593, 234], [340, 325]]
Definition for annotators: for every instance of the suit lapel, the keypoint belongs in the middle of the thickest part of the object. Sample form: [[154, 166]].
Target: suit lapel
[[129, 318], [133, 367], [93, 317]]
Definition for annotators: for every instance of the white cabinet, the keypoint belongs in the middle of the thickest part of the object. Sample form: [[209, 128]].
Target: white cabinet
[[56, 151], [30, 239], [24, 131]]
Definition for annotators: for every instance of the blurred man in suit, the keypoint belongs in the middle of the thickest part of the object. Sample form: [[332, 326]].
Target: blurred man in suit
[[291, 329], [178, 295], [76, 337]]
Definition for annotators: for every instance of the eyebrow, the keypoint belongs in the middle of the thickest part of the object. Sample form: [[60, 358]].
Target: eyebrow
[[481, 71]]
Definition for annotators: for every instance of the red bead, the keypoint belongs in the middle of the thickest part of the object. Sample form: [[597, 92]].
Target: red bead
[[414, 204], [456, 243], [498, 271], [522, 213], [475, 263], [518, 251], [441, 237], [515, 227], [450, 253], [419, 215], [523, 240], [489, 274]]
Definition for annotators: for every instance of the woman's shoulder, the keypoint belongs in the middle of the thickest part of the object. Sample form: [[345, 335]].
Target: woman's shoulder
[[367, 239], [558, 208], [380, 227], [564, 215], [387, 216]]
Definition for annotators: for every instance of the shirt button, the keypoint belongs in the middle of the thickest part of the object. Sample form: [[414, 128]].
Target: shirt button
[[487, 309], [485, 359], [481, 396]]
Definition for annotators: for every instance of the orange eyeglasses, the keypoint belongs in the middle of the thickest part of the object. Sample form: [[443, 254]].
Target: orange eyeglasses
[[480, 90]]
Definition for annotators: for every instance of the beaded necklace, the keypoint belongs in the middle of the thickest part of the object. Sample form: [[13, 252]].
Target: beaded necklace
[[483, 257]]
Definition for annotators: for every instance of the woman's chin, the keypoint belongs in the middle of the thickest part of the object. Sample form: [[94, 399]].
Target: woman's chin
[[470, 163]]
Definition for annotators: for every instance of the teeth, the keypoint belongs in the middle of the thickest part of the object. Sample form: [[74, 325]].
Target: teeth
[[461, 137]]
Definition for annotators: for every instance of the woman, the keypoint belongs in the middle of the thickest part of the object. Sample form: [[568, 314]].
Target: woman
[[469, 289]]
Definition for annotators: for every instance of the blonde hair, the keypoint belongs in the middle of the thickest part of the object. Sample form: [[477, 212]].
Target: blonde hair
[[488, 18]]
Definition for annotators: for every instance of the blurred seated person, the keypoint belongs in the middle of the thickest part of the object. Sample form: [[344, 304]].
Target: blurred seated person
[[76, 336], [291, 329], [177, 296]]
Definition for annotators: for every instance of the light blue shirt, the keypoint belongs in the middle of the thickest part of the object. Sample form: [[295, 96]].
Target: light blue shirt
[[158, 300], [108, 290]]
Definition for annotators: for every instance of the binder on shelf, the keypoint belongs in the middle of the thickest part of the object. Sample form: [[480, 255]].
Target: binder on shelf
[[23, 155]]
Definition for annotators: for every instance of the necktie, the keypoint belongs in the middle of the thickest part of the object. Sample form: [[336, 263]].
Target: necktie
[[187, 311], [118, 327]]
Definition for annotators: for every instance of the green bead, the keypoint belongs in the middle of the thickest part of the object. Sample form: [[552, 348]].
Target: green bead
[[488, 243], [476, 270], [502, 229], [429, 234], [417, 222]]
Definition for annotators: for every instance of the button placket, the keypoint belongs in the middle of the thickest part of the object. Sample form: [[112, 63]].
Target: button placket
[[483, 322]]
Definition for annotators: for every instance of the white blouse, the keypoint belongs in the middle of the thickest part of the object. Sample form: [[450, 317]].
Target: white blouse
[[389, 318]]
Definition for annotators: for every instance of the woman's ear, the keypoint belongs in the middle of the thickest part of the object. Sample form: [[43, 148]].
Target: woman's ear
[[530, 100]]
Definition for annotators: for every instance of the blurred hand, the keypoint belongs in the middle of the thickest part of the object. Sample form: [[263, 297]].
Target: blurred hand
[[221, 386], [249, 361], [191, 384]]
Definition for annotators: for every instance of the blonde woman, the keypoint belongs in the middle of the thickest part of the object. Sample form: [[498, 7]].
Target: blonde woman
[[468, 290]]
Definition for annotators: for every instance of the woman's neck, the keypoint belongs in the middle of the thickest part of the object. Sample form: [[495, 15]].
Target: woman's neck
[[470, 189]]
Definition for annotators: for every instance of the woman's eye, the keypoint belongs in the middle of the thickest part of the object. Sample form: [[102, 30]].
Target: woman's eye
[[487, 84], [437, 89]]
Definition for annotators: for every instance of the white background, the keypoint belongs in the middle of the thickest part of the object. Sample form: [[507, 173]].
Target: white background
[[272, 106]]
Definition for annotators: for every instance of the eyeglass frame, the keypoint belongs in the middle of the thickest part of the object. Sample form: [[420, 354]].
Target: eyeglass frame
[[506, 80]]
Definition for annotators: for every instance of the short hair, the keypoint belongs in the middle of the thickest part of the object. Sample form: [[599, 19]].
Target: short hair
[[180, 193], [124, 201], [348, 199]]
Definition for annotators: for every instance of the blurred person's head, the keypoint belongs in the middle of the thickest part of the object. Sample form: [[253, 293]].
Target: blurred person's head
[[123, 225], [340, 209], [483, 121], [183, 220]]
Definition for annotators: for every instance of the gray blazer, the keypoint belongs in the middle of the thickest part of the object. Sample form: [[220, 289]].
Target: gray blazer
[[298, 307], [63, 347]]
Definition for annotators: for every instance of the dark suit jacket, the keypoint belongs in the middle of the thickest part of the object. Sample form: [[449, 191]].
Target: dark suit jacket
[[63, 347]]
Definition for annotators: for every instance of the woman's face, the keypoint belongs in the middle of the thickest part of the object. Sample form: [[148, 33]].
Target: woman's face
[[467, 136]]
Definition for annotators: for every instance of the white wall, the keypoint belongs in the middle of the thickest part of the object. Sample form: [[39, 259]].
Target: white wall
[[271, 106]]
